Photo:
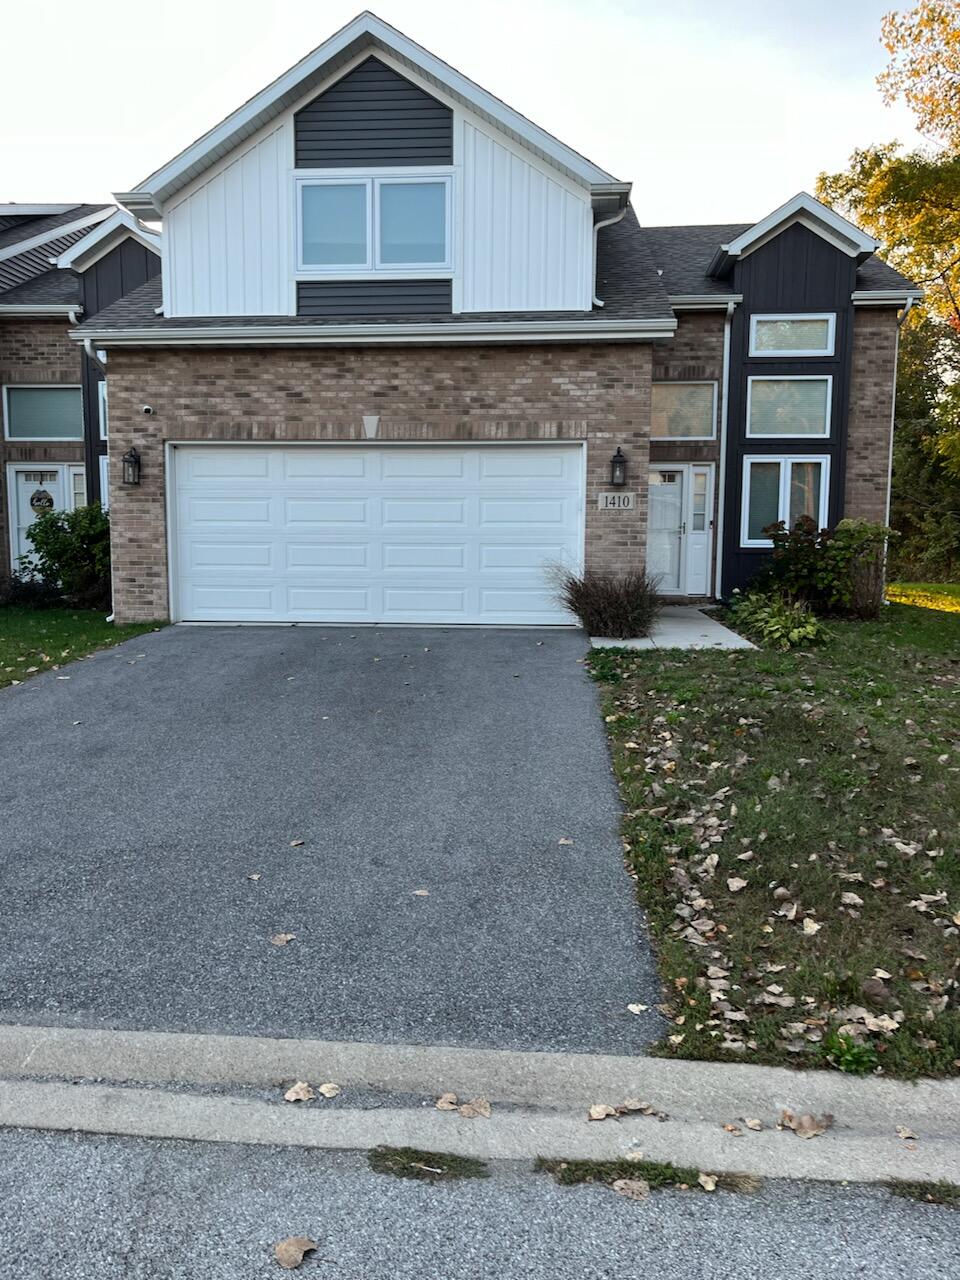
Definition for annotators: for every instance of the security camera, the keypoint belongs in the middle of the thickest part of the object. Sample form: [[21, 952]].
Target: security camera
[[147, 410]]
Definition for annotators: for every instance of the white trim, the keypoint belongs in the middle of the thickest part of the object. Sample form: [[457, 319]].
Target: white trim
[[686, 382], [54, 233], [39, 386], [886, 297], [686, 519], [785, 462], [791, 377], [39, 308], [703, 301], [120, 226], [66, 471], [103, 466], [365, 33], [821, 219], [722, 448], [394, 334], [15, 210], [826, 352], [103, 417]]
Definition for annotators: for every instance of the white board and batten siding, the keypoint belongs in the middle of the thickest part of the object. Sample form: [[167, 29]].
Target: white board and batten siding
[[374, 533]]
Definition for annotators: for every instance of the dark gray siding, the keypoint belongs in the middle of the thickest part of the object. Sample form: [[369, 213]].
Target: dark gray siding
[[373, 116], [124, 268], [797, 271], [365, 298]]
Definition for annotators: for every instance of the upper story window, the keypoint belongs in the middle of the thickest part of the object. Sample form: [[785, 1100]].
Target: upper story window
[[42, 413], [799, 335], [789, 406], [360, 225], [683, 411]]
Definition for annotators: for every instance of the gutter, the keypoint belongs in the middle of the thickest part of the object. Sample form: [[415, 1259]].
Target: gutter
[[722, 473], [886, 297], [67, 309]]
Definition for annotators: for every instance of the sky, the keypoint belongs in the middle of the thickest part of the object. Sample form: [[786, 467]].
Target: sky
[[716, 110]]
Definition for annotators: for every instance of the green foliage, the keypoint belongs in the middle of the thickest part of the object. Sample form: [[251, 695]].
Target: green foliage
[[834, 571], [846, 1054], [424, 1166], [72, 548], [776, 621], [657, 1174], [618, 605]]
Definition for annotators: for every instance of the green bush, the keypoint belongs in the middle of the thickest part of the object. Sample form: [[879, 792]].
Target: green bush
[[838, 571], [776, 621], [619, 606], [72, 549]]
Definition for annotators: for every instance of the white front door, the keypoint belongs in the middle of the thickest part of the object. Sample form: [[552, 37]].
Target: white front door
[[375, 533], [680, 527], [57, 486]]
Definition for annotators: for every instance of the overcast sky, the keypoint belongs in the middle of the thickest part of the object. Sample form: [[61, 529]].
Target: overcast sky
[[716, 110]]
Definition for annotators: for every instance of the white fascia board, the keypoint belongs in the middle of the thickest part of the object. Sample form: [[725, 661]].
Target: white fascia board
[[47, 237], [105, 237], [885, 297], [39, 308], [368, 335], [33, 210], [703, 301], [803, 203], [153, 191]]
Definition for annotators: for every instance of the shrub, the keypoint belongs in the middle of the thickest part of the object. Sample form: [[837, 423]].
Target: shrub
[[618, 606], [72, 548], [30, 592], [776, 621], [837, 570]]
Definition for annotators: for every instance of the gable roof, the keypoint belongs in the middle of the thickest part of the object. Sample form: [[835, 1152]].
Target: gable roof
[[106, 235], [803, 208], [26, 279], [368, 33], [24, 235]]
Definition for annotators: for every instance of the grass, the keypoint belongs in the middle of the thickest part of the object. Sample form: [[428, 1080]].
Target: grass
[[426, 1166], [657, 1175], [944, 596], [808, 776], [34, 640], [945, 1193]]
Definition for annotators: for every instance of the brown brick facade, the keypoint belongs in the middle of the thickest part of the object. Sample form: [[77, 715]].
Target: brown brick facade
[[599, 393], [870, 419], [33, 350]]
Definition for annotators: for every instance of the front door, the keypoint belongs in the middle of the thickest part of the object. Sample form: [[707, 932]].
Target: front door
[[35, 489], [680, 527]]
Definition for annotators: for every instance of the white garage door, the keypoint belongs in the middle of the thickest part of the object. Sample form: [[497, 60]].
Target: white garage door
[[367, 533]]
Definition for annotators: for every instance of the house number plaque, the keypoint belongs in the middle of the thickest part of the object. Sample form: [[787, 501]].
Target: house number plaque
[[617, 501]]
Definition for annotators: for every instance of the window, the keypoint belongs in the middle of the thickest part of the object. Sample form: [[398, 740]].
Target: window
[[788, 407], [782, 489], [683, 410], [42, 413], [370, 225], [104, 481], [804, 335], [102, 406], [78, 486]]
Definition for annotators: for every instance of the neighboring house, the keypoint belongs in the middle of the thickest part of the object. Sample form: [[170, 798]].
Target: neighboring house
[[404, 338]]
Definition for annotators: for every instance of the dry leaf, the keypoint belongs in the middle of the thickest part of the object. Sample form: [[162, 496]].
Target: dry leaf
[[421, 893], [295, 844], [755, 1125], [600, 1111], [905, 1133], [447, 1102], [734, 1130], [638, 1008], [735, 884], [564, 840], [254, 876], [708, 1181], [805, 1126], [329, 1090], [299, 1092], [634, 1156], [633, 1188], [290, 1252], [475, 1107], [281, 939], [851, 900], [810, 927]]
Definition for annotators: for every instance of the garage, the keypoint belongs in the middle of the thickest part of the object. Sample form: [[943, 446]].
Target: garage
[[373, 533]]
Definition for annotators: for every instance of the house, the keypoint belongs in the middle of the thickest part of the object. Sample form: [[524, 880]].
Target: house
[[409, 350], [57, 262]]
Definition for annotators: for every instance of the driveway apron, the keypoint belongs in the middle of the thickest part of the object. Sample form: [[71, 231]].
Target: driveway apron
[[428, 814]]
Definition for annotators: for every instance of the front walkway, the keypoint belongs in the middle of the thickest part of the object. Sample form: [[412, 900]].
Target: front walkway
[[681, 626]]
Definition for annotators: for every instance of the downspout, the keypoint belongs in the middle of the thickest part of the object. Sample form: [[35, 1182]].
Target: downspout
[[597, 228], [722, 475]]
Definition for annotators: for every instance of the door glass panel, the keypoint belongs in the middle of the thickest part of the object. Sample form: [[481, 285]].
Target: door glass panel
[[335, 224], [665, 528], [36, 491], [699, 512], [763, 480], [804, 491], [79, 483]]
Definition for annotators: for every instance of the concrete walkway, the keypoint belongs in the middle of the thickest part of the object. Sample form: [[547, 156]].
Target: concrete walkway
[[681, 626]]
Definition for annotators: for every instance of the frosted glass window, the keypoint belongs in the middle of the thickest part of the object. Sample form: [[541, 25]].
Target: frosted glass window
[[792, 335], [788, 406], [334, 224], [413, 223], [43, 413], [682, 411]]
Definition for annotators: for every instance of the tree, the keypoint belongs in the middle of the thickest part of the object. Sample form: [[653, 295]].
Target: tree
[[924, 68]]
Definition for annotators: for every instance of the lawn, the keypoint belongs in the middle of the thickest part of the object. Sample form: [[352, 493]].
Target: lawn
[[33, 640], [792, 824], [928, 595]]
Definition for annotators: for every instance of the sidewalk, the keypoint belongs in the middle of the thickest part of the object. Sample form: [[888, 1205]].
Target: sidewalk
[[681, 626]]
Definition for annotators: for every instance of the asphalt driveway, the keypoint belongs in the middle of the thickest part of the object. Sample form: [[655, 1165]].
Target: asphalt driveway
[[459, 880]]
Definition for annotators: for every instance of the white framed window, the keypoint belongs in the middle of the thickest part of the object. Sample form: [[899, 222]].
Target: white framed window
[[792, 406], [392, 224], [104, 464], [102, 407], [782, 488], [683, 411], [42, 412], [807, 334]]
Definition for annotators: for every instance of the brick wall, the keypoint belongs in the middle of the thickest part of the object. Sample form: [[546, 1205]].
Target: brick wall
[[599, 393], [869, 421], [33, 350], [695, 354]]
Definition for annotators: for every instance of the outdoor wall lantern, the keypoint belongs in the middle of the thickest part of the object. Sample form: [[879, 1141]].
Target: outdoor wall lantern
[[618, 468], [131, 467]]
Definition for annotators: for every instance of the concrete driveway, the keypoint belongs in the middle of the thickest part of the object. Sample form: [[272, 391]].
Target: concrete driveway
[[459, 880]]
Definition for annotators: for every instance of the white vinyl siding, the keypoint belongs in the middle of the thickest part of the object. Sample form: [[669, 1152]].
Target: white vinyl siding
[[782, 489], [793, 335], [683, 411], [42, 413], [786, 407]]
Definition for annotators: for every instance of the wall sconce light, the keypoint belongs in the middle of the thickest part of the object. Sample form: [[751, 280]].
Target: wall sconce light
[[131, 467], [618, 468]]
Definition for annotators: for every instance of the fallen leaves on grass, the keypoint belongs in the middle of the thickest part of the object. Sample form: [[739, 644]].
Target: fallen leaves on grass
[[291, 1252], [805, 1125], [299, 1092]]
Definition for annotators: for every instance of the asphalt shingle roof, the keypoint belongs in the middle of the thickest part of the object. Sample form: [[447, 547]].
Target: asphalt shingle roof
[[50, 287], [22, 273]]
